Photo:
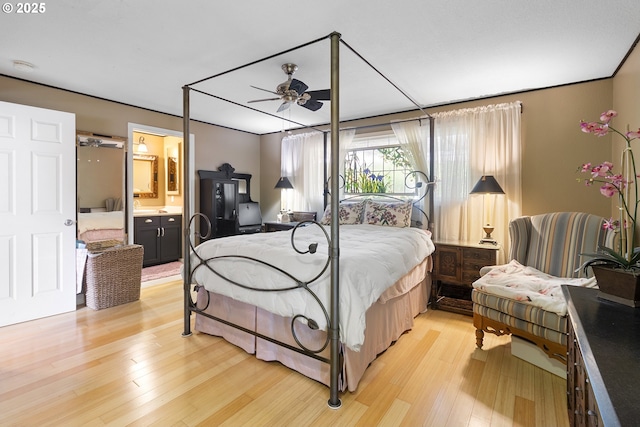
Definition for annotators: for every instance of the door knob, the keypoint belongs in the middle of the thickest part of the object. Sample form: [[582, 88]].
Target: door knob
[[69, 222]]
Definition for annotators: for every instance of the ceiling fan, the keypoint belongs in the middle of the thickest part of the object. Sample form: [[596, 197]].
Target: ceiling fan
[[295, 91]]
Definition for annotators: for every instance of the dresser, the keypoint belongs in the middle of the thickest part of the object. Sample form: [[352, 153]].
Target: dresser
[[221, 194], [457, 265], [603, 360]]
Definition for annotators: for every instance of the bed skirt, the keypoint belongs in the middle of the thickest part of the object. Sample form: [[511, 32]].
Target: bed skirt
[[386, 321]]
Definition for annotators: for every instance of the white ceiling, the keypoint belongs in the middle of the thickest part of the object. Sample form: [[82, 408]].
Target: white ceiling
[[141, 52]]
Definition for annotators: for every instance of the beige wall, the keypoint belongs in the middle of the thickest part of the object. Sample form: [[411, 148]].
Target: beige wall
[[553, 147], [100, 176], [213, 145], [241, 150], [626, 87]]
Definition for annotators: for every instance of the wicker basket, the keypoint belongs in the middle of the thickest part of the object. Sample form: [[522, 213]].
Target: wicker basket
[[113, 276]]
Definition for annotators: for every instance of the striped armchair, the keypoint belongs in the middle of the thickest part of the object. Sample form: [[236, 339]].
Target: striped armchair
[[551, 243]]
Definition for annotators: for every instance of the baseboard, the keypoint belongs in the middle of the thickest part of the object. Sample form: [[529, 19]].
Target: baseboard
[[530, 352]]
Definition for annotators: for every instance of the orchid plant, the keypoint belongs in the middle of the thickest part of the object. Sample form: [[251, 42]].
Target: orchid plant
[[624, 185]]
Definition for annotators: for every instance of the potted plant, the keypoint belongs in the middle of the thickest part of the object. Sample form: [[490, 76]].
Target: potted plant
[[617, 269]]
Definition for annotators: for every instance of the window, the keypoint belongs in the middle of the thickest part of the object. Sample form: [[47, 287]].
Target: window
[[376, 163]]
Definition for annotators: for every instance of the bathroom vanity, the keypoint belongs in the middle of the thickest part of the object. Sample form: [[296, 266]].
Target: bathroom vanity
[[161, 235]]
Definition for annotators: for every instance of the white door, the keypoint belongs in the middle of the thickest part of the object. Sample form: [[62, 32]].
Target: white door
[[37, 213]]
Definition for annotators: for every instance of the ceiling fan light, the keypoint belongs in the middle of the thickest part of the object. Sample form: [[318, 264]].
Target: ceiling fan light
[[289, 68], [295, 91]]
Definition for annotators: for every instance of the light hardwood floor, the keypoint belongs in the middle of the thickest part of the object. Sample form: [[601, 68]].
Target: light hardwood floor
[[129, 365]]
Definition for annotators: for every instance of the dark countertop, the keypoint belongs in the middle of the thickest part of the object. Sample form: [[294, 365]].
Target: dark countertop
[[609, 337]]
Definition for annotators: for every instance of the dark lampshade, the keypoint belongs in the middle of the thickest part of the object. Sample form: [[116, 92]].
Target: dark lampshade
[[283, 182], [487, 185]]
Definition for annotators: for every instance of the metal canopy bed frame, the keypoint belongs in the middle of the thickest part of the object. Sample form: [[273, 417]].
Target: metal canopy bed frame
[[332, 188]]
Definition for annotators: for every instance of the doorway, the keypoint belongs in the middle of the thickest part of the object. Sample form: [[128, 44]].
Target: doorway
[[165, 146]]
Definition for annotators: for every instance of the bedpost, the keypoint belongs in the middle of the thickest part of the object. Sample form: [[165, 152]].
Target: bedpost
[[186, 214], [325, 173], [334, 329], [432, 162]]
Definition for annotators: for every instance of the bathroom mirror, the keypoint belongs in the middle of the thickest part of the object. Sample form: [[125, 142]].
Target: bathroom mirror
[[145, 176], [172, 172]]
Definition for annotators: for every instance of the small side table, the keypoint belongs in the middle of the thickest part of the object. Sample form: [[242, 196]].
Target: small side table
[[278, 226], [457, 265]]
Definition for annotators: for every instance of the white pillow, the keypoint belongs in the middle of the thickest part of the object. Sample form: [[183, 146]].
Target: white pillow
[[349, 213], [393, 214]]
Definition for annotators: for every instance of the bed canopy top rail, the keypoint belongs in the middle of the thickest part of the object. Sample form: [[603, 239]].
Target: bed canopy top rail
[[301, 46], [256, 110], [266, 58], [386, 78]]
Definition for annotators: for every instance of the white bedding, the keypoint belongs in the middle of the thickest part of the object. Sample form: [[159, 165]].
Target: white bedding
[[372, 258], [100, 221], [522, 283]]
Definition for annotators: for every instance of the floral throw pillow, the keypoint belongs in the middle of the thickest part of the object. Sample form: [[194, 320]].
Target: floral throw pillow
[[394, 214], [349, 213]]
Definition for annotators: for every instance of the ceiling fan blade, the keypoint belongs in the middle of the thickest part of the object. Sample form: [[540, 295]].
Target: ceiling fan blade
[[320, 95], [261, 100], [312, 105], [283, 106], [266, 90], [298, 86]]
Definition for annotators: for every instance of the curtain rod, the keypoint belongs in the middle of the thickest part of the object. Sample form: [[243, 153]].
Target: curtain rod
[[367, 126], [428, 118]]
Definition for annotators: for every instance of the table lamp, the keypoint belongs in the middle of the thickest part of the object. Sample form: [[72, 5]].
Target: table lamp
[[487, 185], [283, 184]]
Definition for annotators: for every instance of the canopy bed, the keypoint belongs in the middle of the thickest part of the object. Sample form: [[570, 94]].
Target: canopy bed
[[284, 296]]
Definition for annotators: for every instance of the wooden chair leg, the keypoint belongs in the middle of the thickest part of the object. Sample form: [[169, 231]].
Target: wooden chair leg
[[479, 337]]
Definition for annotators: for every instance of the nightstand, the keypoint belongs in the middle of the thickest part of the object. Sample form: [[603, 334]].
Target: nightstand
[[457, 265]]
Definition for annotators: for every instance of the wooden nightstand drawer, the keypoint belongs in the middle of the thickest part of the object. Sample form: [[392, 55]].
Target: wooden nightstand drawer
[[480, 256]]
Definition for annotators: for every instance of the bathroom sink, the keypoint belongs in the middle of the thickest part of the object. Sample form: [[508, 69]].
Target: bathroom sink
[[144, 211]]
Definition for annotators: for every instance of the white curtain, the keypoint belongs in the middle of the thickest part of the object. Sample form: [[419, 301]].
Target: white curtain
[[302, 161], [346, 142], [470, 143], [413, 135]]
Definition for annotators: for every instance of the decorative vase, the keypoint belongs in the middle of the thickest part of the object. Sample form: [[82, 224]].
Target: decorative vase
[[618, 285]]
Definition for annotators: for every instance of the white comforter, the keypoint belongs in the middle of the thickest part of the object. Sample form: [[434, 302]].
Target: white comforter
[[372, 258]]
